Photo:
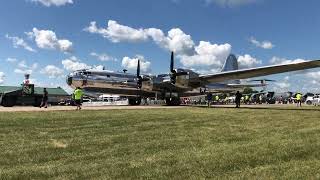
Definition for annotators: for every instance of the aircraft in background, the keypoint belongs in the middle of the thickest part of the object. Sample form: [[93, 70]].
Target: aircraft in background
[[173, 85]]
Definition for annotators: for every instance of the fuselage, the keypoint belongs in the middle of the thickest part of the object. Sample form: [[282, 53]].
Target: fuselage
[[126, 84]]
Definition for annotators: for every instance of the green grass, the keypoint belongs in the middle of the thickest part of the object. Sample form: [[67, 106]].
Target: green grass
[[187, 143]]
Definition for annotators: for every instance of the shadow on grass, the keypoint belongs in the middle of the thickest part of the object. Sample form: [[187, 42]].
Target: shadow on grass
[[262, 108]]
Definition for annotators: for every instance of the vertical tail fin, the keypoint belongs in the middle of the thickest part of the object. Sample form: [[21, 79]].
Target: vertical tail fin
[[230, 64]]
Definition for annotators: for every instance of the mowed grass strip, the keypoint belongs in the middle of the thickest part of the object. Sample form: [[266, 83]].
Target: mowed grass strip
[[187, 143]]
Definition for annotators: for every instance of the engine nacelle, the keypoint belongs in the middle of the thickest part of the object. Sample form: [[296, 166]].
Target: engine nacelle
[[147, 85], [186, 78], [182, 81]]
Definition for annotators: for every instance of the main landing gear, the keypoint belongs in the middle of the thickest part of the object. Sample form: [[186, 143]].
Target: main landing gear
[[173, 101], [134, 101]]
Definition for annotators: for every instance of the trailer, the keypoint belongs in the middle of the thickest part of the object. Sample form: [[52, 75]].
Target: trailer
[[28, 95]]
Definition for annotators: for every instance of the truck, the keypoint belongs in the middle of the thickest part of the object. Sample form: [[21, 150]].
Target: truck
[[29, 95]]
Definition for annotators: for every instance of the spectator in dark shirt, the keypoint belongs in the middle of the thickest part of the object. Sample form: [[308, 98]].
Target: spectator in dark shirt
[[238, 99], [44, 102]]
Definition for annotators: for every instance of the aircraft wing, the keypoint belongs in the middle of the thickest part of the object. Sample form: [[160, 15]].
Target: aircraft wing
[[245, 85], [260, 71]]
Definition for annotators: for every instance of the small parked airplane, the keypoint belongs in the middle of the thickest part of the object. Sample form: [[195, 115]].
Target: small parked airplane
[[175, 84]]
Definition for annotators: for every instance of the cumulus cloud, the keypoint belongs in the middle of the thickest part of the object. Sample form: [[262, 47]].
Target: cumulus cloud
[[204, 55], [49, 3], [248, 61], [52, 71], [176, 40], [263, 44], [47, 39], [131, 63], [103, 56], [117, 32], [24, 68], [19, 42], [208, 56], [73, 64], [2, 76], [277, 60]]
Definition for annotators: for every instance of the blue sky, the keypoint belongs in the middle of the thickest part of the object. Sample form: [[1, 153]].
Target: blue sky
[[50, 38]]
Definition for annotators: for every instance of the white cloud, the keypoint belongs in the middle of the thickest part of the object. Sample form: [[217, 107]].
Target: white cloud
[[47, 39], [231, 3], [103, 56], [11, 60], [52, 71], [73, 64], [176, 40], [131, 63], [19, 42], [117, 32], [314, 75], [207, 57], [2, 76], [23, 68], [49, 3], [277, 60], [248, 61], [263, 44], [283, 85]]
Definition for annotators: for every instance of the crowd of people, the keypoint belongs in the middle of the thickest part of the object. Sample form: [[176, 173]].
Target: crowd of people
[[210, 99]]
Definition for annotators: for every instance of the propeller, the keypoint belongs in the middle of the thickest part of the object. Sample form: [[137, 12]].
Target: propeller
[[173, 72], [139, 78]]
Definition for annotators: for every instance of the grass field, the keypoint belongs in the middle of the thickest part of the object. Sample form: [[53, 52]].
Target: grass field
[[187, 143]]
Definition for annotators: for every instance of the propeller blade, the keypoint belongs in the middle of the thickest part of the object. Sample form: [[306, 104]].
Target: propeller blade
[[138, 69], [172, 63]]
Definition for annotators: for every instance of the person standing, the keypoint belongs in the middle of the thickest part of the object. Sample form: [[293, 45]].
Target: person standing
[[238, 99], [209, 98], [217, 99], [299, 99], [78, 94], [260, 99], [44, 102], [246, 99]]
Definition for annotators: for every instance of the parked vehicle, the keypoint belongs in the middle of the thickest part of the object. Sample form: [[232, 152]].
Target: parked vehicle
[[309, 100], [316, 100]]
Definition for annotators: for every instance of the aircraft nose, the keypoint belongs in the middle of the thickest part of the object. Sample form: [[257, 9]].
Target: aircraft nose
[[69, 80]]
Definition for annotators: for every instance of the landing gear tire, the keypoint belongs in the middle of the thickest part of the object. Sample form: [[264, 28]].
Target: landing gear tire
[[135, 101], [174, 101]]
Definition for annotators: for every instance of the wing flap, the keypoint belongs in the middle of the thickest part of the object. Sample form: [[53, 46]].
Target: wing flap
[[261, 71]]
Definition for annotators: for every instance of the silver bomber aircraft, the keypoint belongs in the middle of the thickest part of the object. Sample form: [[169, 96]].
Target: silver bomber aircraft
[[178, 83]]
